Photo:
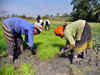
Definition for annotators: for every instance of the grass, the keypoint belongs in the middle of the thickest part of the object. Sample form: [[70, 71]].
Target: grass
[[3, 46], [2, 39], [47, 43], [95, 29], [24, 69]]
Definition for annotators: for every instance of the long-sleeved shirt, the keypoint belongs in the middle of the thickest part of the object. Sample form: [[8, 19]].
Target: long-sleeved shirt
[[74, 31], [21, 26]]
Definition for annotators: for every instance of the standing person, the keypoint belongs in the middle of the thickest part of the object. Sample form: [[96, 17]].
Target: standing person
[[78, 36], [47, 24], [39, 23], [38, 18], [13, 29]]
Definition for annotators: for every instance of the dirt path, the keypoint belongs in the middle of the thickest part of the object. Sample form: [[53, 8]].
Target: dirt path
[[58, 65]]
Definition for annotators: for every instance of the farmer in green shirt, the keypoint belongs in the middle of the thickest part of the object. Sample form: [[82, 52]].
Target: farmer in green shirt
[[77, 34]]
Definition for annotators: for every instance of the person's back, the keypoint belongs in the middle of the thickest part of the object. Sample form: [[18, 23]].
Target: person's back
[[75, 28], [13, 28], [18, 25], [75, 25]]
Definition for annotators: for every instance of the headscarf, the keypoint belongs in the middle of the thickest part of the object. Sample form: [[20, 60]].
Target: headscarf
[[59, 30]]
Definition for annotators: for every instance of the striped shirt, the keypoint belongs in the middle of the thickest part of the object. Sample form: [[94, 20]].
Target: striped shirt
[[20, 26]]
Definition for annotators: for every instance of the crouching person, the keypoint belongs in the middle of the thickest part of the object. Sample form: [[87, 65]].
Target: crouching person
[[13, 29], [78, 37], [38, 26]]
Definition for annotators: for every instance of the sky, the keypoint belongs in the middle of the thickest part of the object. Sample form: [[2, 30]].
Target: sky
[[34, 7]]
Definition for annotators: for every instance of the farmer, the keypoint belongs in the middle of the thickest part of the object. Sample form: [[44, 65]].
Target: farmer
[[47, 24], [13, 29], [38, 18], [38, 26], [78, 36]]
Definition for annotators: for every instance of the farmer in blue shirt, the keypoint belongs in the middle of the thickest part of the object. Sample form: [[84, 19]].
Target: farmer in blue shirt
[[13, 28]]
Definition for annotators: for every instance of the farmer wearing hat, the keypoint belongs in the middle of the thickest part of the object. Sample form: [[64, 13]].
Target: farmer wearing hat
[[39, 23], [13, 29], [77, 35]]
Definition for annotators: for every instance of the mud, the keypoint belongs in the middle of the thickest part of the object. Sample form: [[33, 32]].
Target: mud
[[90, 65]]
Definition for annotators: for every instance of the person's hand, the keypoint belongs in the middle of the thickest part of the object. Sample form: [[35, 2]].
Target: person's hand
[[72, 46], [61, 52], [21, 48], [33, 51]]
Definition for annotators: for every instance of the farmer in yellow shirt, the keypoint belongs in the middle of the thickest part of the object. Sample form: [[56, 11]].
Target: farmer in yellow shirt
[[77, 34]]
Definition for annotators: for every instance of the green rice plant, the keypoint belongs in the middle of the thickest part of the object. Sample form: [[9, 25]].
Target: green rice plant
[[3, 46], [2, 40], [24, 69], [47, 43], [96, 35], [7, 70]]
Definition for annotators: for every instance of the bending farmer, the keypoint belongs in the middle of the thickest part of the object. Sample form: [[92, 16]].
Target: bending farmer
[[77, 34], [13, 29]]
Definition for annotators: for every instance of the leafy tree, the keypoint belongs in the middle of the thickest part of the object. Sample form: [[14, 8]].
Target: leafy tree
[[86, 9], [81, 8], [96, 9]]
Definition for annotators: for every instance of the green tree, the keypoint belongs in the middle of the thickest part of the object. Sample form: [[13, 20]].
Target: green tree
[[86, 9], [81, 8], [96, 9]]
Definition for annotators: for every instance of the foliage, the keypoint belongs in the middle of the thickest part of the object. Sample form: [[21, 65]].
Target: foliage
[[86, 9]]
